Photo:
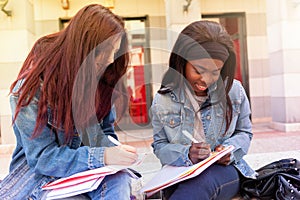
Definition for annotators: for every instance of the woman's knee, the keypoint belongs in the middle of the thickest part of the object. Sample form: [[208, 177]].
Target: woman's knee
[[214, 182], [115, 186]]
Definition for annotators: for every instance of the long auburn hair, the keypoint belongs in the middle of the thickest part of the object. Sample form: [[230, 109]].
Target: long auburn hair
[[200, 32], [61, 69]]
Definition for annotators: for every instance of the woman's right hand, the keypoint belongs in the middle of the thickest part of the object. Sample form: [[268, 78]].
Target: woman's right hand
[[120, 155], [199, 151]]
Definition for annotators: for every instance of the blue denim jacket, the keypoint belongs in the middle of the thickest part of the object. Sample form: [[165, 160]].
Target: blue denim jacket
[[173, 113], [45, 158]]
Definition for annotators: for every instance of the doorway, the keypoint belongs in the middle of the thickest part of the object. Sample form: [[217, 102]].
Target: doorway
[[235, 24], [138, 76]]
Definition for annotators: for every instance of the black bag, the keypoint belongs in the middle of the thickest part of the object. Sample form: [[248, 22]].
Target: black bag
[[278, 180]]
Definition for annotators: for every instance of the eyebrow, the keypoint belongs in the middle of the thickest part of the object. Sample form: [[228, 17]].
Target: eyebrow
[[203, 68]]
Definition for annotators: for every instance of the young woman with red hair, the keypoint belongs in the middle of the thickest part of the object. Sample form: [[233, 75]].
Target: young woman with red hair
[[63, 108]]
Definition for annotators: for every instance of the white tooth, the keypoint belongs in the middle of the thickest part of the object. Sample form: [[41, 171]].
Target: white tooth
[[200, 87]]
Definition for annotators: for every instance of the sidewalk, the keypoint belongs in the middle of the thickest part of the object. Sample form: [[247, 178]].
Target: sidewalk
[[267, 145]]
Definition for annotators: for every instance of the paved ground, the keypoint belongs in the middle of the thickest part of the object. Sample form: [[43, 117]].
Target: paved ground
[[267, 145]]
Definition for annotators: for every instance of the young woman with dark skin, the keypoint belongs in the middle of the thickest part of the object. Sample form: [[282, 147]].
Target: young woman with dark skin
[[199, 95]]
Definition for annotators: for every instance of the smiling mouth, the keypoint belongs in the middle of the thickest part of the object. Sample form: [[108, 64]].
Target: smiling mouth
[[200, 87]]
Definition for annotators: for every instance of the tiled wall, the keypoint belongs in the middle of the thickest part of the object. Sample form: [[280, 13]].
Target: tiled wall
[[257, 49], [267, 53], [16, 37], [284, 51]]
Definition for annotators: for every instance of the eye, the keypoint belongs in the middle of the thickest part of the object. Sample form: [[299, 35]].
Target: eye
[[216, 73], [198, 70]]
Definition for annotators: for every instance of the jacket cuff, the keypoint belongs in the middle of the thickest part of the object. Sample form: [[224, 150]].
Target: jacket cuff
[[96, 157], [187, 160]]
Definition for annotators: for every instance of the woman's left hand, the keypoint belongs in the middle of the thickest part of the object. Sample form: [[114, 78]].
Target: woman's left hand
[[225, 160]]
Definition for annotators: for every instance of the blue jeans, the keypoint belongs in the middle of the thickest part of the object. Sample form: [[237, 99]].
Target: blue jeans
[[116, 186], [217, 182]]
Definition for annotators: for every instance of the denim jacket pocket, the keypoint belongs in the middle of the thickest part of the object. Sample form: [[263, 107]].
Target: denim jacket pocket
[[171, 120]]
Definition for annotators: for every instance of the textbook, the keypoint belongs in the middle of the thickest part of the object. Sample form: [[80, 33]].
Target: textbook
[[170, 175], [86, 181]]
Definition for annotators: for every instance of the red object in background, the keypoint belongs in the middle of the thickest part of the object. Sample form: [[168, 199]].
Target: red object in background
[[138, 104], [238, 73]]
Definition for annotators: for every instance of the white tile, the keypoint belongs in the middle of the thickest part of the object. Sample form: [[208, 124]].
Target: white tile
[[278, 88], [9, 73], [290, 34], [16, 45], [291, 60], [4, 103], [291, 85], [214, 6], [260, 87], [257, 47], [7, 134], [274, 34]]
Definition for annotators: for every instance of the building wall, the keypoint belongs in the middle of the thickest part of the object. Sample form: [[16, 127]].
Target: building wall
[[47, 14], [16, 37], [257, 48], [34, 18], [284, 50]]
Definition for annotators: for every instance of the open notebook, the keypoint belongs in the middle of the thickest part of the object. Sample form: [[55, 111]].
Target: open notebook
[[170, 175], [86, 181]]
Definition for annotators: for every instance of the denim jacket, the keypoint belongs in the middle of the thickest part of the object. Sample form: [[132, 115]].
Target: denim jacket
[[45, 158], [173, 113]]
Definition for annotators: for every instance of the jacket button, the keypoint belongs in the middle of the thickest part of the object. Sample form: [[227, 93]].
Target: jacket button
[[172, 122], [208, 117]]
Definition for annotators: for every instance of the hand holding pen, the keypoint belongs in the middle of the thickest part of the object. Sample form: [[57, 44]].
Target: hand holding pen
[[198, 150], [120, 154], [225, 160]]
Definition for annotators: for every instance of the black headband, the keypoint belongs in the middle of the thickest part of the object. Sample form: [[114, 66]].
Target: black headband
[[212, 50]]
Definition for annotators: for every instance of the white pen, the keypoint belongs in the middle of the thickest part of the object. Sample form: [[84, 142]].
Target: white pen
[[188, 135], [113, 140]]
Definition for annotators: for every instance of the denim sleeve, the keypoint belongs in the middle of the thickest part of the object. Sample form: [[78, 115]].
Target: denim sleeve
[[97, 133], [43, 154], [167, 153], [242, 135], [107, 126]]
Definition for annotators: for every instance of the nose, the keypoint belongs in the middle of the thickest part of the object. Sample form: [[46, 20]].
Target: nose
[[206, 78]]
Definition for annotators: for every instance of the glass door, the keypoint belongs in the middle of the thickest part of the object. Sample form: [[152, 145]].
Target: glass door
[[138, 75]]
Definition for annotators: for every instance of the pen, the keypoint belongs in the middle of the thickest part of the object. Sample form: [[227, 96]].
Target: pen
[[188, 135], [113, 140]]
